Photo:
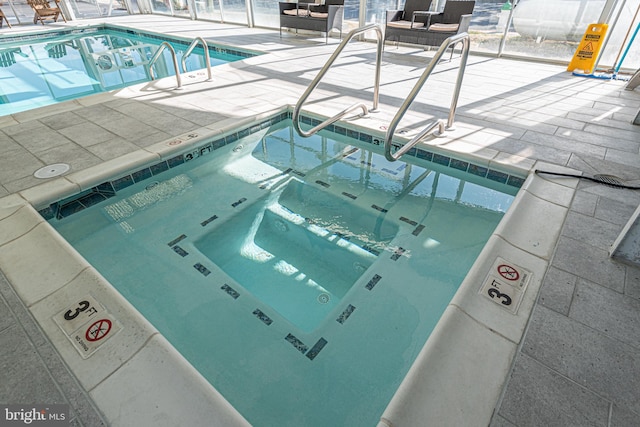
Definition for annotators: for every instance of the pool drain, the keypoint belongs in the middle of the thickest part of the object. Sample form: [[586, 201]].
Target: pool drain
[[359, 268], [280, 225], [51, 171], [323, 298]]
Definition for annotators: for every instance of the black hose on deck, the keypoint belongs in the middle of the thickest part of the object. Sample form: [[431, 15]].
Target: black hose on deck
[[599, 179]]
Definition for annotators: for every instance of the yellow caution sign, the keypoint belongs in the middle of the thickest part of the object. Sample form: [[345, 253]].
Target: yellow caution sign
[[589, 48]]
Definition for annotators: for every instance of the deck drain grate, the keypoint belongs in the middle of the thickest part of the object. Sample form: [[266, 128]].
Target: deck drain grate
[[51, 171]]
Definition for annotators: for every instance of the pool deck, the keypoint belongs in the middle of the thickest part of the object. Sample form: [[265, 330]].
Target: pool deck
[[568, 356]]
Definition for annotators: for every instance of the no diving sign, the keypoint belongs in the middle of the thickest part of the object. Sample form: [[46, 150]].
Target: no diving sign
[[87, 324], [508, 272], [98, 330], [505, 284]]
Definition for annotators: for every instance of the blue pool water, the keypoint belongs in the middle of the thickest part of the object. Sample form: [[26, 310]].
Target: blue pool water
[[46, 68], [301, 277]]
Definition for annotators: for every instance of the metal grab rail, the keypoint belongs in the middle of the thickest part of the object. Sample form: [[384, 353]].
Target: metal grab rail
[[192, 46], [323, 71], [154, 58], [450, 42]]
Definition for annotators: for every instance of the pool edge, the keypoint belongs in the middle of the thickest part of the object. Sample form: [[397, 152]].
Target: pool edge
[[456, 317], [465, 386]]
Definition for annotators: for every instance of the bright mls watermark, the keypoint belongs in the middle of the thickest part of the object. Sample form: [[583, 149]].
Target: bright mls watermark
[[34, 415]]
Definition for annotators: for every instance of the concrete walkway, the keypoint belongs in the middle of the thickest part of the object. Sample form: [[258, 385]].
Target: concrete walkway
[[579, 362]]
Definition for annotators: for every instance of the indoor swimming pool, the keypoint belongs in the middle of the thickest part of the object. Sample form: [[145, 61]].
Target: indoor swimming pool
[[300, 276], [45, 68]]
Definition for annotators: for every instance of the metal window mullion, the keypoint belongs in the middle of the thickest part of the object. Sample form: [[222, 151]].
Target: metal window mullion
[[248, 4]]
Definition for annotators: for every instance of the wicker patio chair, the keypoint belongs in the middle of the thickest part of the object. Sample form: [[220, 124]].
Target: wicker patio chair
[[413, 16], [431, 28]]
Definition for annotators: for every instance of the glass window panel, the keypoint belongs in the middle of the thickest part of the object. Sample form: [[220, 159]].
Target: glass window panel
[[97, 8], [85, 9], [170, 7], [265, 13], [180, 7], [613, 54], [161, 7], [209, 9], [18, 11], [488, 24], [376, 13], [377, 10], [351, 15], [550, 29], [234, 11]]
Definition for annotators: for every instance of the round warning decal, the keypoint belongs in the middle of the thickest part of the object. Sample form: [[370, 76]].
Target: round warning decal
[[98, 330], [508, 272]]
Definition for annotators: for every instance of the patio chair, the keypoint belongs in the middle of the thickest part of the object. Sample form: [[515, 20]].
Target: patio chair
[[42, 11], [303, 15], [413, 16], [3, 17], [454, 19]]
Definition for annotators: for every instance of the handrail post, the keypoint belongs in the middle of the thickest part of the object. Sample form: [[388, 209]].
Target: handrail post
[[449, 42], [376, 82], [323, 71], [190, 49], [163, 46], [461, 69]]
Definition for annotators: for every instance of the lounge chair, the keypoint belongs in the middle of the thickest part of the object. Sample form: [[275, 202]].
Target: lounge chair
[[42, 11], [437, 27], [3, 17]]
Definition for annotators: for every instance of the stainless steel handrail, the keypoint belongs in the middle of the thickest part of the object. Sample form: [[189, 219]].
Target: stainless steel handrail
[[192, 46], [450, 42], [154, 58], [323, 71]]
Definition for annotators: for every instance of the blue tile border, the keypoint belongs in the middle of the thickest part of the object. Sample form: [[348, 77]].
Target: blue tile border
[[66, 207]]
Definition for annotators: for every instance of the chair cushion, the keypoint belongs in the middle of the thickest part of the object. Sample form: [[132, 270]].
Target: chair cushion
[[298, 12], [319, 14], [405, 24], [445, 28]]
